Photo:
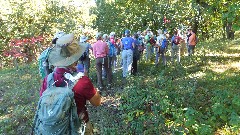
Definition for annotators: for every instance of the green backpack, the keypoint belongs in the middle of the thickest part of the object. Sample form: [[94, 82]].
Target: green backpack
[[57, 112], [43, 65]]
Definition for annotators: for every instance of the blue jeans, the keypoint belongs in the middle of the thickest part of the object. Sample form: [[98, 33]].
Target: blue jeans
[[162, 53], [127, 59], [191, 50]]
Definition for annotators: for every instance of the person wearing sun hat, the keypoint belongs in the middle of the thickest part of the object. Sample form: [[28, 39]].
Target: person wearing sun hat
[[64, 56], [84, 59], [45, 68]]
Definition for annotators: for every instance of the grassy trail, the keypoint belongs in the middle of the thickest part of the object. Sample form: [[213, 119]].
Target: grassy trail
[[205, 79]]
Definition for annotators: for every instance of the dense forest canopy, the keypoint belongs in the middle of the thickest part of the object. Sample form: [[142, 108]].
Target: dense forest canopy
[[21, 21]]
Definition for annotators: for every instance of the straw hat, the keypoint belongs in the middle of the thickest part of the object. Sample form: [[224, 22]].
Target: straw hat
[[66, 51]]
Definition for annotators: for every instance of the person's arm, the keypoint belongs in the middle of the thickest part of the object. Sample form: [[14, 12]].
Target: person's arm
[[121, 45], [107, 48], [133, 44], [96, 99], [94, 50], [84, 87]]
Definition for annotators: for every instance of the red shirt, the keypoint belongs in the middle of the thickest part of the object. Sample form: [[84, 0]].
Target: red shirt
[[83, 91]]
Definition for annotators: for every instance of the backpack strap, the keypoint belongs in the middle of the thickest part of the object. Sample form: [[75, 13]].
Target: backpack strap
[[50, 80], [73, 79]]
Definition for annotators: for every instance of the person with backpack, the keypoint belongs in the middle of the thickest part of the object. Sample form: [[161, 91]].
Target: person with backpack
[[163, 49], [175, 50], [64, 94], [191, 42], [136, 55], [110, 56], [140, 40], [85, 59], [127, 46], [44, 67], [160, 38], [148, 44], [113, 50], [101, 52]]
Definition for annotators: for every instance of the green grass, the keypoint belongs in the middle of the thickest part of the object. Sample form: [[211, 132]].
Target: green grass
[[19, 96], [200, 96]]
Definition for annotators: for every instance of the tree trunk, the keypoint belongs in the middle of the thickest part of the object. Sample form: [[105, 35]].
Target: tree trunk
[[229, 30]]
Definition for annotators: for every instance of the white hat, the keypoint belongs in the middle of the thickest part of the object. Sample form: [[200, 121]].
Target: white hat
[[58, 34], [98, 35], [112, 34], [83, 38], [105, 36], [66, 51]]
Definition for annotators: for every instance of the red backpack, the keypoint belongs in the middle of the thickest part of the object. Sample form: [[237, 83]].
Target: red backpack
[[177, 40]]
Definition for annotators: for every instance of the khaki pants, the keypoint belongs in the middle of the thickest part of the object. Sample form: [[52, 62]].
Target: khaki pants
[[183, 49], [175, 53]]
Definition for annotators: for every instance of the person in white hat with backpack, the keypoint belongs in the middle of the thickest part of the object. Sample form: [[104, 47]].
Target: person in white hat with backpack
[[64, 56], [85, 59]]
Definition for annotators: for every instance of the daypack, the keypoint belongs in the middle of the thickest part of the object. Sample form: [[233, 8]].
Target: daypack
[[152, 41], [176, 40], [57, 112], [111, 49], [43, 64], [164, 43]]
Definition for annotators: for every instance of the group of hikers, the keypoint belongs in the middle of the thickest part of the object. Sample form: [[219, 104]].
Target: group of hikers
[[66, 65]]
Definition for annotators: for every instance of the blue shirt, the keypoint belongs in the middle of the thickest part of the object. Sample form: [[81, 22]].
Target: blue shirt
[[127, 43]]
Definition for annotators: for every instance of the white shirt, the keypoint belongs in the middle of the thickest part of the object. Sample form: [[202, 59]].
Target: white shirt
[[160, 39]]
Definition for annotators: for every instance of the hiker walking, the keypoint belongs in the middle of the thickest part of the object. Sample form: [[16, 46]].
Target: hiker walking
[[44, 67], [141, 46], [148, 44], [136, 55], [160, 38], [100, 52], [64, 57], [127, 46], [191, 42], [113, 50], [175, 49], [85, 59]]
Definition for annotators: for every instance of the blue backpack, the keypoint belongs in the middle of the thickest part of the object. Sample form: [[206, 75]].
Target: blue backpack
[[57, 112], [164, 43], [111, 49]]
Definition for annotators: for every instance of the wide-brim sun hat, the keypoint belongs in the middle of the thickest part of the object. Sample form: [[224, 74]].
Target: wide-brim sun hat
[[58, 34], [66, 51], [83, 38]]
